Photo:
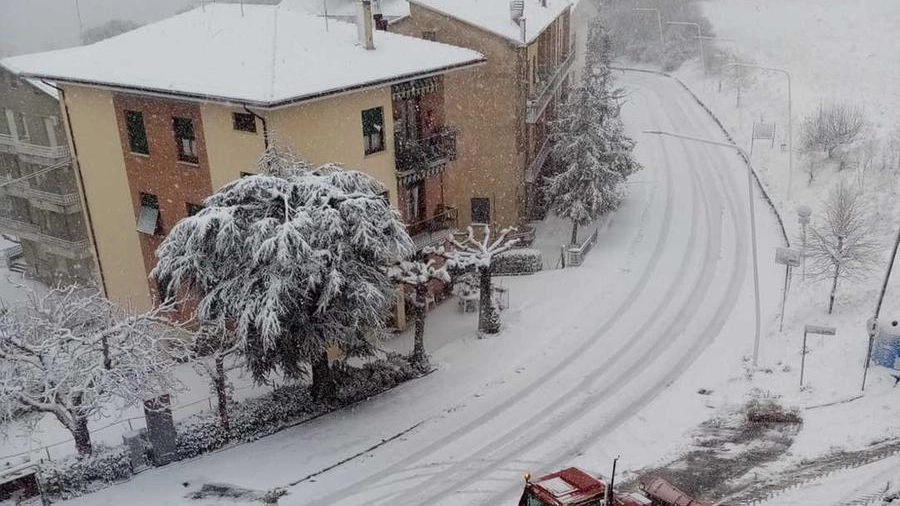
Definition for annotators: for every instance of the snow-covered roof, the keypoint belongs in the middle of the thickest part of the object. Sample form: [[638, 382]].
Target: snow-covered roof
[[266, 56], [41, 86], [390, 9], [495, 15]]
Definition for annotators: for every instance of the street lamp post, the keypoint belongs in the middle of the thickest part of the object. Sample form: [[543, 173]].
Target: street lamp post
[[752, 224], [873, 328], [658, 21], [699, 40], [803, 214], [790, 117]]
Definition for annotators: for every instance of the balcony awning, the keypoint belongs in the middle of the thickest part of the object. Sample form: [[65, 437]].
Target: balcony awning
[[414, 176], [415, 88]]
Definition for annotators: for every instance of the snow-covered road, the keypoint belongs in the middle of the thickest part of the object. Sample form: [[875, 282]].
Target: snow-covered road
[[582, 352]]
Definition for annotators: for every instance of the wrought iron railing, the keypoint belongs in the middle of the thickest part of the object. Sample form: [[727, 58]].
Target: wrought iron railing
[[32, 232], [427, 231], [27, 148], [22, 189], [419, 158]]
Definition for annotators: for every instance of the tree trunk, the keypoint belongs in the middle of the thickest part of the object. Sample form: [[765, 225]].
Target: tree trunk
[[834, 283], [222, 393], [418, 355], [321, 377], [574, 233], [82, 436], [486, 321]]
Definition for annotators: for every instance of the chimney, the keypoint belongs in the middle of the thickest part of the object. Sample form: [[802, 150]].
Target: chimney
[[364, 24], [380, 22]]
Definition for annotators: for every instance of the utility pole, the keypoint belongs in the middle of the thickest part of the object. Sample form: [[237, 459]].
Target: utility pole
[[873, 329], [662, 41], [699, 40], [610, 492]]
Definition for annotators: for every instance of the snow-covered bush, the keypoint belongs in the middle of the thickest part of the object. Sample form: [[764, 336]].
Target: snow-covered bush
[[359, 383], [262, 416], [767, 410], [75, 476], [518, 261], [197, 435]]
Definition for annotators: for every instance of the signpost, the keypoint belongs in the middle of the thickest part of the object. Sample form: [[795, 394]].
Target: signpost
[[788, 258], [812, 329]]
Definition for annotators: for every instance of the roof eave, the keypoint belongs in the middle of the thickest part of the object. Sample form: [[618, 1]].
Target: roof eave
[[262, 105], [515, 41]]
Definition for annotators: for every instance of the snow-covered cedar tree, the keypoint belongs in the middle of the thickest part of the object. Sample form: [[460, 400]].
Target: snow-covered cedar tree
[[416, 274], [842, 245], [479, 253], [592, 150], [71, 353], [294, 259]]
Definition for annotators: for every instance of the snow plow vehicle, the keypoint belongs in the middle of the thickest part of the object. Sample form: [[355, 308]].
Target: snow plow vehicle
[[575, 487]]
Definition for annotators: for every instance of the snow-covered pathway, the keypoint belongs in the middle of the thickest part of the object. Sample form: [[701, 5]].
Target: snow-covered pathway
[[582, 352]]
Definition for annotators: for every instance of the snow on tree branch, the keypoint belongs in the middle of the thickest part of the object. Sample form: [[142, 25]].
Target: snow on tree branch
[[72, 352]]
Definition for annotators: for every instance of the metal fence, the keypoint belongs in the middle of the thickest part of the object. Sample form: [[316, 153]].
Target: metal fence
[[574, 256]]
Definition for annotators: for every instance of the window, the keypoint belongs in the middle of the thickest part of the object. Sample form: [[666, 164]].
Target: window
[[373, 130], [429, 35], [148, 220], [193, 209], [184, 139], [137, 135], [244, 122], [415, 202], [22, 127], [481, 210]]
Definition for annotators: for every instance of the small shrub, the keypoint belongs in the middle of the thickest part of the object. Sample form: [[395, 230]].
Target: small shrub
[[358, 383], [518, 261], [75, 476], [768, 411], [197, 435]]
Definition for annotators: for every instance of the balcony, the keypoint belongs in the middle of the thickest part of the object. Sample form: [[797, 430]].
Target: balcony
[[434, 230], [417, 159], [9, 144], [49, 201], [548, 82], [74, 249]]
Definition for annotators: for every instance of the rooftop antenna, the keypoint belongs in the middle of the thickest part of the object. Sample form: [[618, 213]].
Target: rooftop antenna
[[242, 8], [325, 8], [203, 5], [80, 23]]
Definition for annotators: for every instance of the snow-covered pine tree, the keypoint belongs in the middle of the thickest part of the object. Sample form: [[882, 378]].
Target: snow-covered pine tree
[[590, 145], [416, 274], [71, 353], [294, 259]]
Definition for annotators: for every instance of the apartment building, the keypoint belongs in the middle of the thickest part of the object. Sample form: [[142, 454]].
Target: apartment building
[[39, 201], [503, 109], [163, 116]]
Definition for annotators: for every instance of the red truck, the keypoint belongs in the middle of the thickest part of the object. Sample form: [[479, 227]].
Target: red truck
[[575, 487]]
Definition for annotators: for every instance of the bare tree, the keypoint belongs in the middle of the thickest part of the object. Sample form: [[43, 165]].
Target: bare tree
[[71, 352], [812, 167], [843, 244], [833, 126], [479, 254], [215, 352], [417, 275]]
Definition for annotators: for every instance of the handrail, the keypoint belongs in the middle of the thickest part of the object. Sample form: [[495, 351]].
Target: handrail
[[540, 97], [422, 153], [28, 148], [62, 199]]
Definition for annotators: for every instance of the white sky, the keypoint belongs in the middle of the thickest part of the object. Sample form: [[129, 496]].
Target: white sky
[[28, 26]]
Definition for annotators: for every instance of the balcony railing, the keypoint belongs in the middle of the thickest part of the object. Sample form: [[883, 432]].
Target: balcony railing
[[435, 229], [10, 144], [23, 190], [549, 80], [77, 248], [417, 159]]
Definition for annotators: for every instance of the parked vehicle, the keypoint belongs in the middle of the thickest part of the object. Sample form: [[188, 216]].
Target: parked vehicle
[[574, 487]]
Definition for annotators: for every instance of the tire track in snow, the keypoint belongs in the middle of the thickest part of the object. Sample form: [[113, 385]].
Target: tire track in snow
[[639, 288], [476, 468]]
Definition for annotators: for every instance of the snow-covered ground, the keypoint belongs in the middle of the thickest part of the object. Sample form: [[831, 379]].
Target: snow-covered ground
[[590, 362], [836, 51]]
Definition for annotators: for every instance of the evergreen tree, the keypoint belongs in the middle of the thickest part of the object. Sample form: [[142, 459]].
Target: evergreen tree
[[294, 259], [590, 143]]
